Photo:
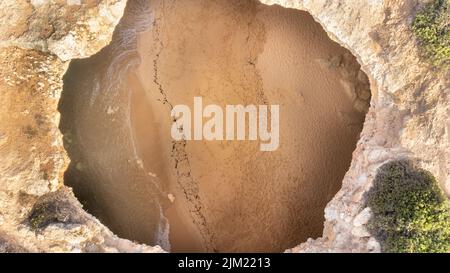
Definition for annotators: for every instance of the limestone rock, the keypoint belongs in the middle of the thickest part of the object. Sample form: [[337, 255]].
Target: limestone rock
[[68, 29], [409, 110], [36, 39]]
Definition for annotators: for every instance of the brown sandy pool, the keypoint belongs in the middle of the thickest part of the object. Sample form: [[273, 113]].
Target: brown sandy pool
[[224, 196]]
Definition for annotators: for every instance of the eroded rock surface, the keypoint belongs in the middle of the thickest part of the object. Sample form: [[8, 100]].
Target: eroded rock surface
[[67, 28], [37, 38], [408, 115]]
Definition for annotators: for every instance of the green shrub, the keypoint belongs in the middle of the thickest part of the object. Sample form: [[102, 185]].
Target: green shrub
[[54, 207], [432, 28], [410, 212]]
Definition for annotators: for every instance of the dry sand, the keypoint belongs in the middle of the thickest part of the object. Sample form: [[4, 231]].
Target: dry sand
[[229, 196], [239, 52]]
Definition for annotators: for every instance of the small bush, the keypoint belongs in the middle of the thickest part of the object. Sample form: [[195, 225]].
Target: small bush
[[432, 28], [54, 207], [410, 212]]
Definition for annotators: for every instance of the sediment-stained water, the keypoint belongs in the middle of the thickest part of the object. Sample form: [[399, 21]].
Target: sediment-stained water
[[224, 196], [98, 109]]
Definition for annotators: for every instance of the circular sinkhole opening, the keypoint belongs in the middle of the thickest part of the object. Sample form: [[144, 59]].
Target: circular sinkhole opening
[[220, 195]]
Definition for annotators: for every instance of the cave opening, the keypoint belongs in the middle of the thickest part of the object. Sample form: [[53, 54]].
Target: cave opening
[[220, 196]]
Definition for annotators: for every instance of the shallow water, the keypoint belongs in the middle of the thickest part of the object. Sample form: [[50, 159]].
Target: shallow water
[[97, 110]]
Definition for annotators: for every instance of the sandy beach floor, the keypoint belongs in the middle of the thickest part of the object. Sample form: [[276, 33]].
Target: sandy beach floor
[[240, 52], [222, 196]]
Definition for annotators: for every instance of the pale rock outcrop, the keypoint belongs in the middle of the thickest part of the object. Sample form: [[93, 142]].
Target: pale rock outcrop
[[37, 38], [409, 110], [66, 28]]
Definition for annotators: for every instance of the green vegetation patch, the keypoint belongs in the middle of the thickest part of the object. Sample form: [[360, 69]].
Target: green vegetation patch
[[432, 28], [410, 211], [54, 207]]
